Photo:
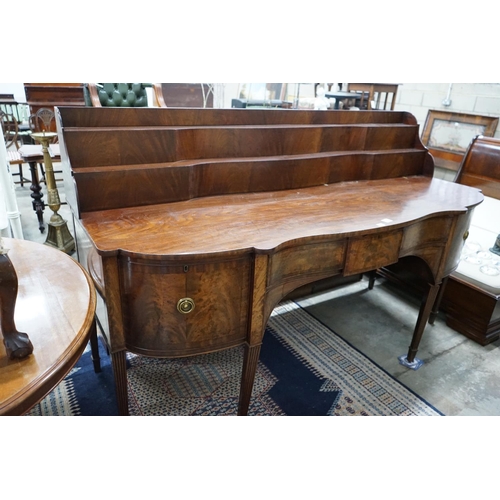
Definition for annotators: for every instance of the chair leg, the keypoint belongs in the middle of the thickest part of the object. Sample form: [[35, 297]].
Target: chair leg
[[94, 348]]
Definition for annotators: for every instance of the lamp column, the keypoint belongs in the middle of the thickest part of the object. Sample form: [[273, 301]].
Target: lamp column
[[58, 234]]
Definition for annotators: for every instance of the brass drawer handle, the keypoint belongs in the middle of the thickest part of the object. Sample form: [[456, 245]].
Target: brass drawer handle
[[466, 235], [185, 305]]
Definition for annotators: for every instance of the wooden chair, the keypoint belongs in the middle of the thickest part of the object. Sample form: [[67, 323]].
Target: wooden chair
[[11, 137], [373, 93]]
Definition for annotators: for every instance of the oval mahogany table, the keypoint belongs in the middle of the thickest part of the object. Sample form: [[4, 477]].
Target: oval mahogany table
[[56, 307]]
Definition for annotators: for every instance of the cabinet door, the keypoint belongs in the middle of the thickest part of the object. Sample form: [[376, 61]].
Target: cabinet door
[[178, 309]]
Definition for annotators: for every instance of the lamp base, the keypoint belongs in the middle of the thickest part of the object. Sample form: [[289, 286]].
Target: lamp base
[[58, 236]]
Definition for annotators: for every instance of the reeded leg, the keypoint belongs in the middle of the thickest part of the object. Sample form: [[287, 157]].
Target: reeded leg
[[437, 303], [425, 309], [17, 344], [120, 372], [94, 348], [247, 377]]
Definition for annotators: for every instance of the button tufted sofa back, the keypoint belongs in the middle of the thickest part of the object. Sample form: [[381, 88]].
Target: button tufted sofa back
[[131, 95]]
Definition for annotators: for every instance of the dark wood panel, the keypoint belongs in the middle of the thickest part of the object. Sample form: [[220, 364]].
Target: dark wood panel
[[106, 187], [98, 147], [120, 118], [471, 310]]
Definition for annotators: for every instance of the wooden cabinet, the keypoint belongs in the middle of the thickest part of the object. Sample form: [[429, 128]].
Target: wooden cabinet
[[49, 95], [204, 219]]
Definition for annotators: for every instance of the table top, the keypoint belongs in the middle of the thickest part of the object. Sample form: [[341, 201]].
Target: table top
[[34, 151], [55, 307], [266, 220]]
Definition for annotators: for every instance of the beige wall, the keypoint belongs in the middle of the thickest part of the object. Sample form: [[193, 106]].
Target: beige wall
[[472, 98], [419, 98]]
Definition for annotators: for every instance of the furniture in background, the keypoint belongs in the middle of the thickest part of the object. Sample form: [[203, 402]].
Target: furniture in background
[[19, 111], [256, 103], [44, 121], [371, 94], [55, 307], [197, 95], [10, 131], [447, 135], [471, 298], [32, 154], [348, 99], [9, 105], [117, 94], [49, 95], [195, 223]]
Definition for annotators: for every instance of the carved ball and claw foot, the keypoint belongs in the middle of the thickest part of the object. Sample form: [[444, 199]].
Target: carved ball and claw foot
[[17, 344]]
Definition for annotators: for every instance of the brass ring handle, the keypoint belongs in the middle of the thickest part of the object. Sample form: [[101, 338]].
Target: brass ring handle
[[466, 235], [185, 305]]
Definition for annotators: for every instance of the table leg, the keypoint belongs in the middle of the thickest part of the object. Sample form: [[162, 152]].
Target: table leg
[[423, 316], [248, 377], [437, 303], [94, 348], [37, 195], [118, 362]]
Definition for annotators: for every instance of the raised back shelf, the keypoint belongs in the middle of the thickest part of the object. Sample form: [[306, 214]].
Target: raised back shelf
[[118, 156]]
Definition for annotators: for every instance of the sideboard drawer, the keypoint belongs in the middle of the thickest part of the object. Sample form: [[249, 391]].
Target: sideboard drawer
[[178, 309], [372, 251]]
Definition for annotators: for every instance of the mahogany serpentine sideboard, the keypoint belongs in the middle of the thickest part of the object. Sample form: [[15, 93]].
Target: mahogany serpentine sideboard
[[195, 223]]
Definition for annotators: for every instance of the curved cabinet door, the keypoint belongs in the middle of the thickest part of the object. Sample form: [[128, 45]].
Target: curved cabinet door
[[182, 308]]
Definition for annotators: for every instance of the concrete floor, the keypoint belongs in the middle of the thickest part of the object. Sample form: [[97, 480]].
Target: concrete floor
[[459, 377]]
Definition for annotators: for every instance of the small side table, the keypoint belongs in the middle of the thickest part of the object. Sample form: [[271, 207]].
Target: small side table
[[55, 306], [342, 96]]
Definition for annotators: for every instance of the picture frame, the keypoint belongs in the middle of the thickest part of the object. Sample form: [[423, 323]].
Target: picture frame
[[447, 135]]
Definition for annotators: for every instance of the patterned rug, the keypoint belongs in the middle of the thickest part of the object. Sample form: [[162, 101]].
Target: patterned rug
[[304, 369]]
